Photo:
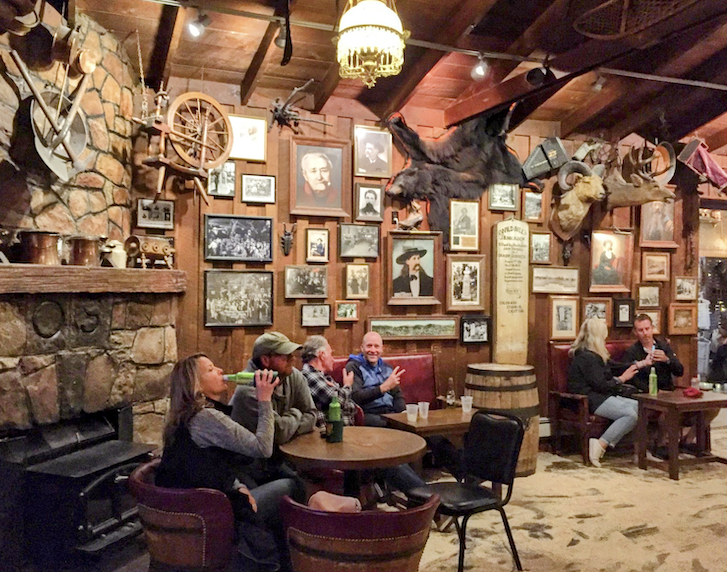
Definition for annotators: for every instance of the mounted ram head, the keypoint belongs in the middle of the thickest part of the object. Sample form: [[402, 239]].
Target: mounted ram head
[[576, 199]]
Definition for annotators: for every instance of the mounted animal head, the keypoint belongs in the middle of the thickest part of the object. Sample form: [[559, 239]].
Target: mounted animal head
[[577, 198], [639, 179]]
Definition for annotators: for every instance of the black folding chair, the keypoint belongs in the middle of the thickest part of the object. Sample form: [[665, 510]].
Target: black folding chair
[[491, 449]]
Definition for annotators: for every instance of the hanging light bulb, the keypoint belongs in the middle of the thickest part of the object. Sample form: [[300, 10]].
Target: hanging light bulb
[[196, 27], [280, 38], [481, 69]]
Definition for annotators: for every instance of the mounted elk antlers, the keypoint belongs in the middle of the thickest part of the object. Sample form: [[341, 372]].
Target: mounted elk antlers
[[638, 179]]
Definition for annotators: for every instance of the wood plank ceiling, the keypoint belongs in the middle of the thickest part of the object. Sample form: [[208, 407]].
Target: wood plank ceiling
[[240, 50]]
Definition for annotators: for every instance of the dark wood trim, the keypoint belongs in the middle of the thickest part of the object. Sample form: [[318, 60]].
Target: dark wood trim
[[159, 59], [254, 71]]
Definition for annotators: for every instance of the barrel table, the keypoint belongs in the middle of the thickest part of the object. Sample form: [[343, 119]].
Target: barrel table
[[510, 389]]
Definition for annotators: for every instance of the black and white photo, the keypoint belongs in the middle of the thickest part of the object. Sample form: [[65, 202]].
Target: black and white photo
[[597, 308], [503, 197], [221, 181], [554, 280], [357, 281], [306, 281], [258, 189], [413, 268], [358, 240], [320, 177], [648, 296], [563, 317], [249, 138], [347, 310], [532, 206], [623, 312], [415, 327], [315, 315], [685, 287], [238, 238], [464, 218], [369, 202], [236, 298], [540, 247], [372, 149], [464, 281], [316, 241], [474, 329], [155, 214]]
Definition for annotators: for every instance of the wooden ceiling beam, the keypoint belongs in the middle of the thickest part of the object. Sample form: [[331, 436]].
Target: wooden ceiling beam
[[254, 70], [326, 88], [717, 140], [169, 32]]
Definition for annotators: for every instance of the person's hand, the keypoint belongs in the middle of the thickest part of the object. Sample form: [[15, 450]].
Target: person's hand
[[347, 378], [659, 355], [245, 491], [648, 362], [393, 380], [264, 384], [629, 373]]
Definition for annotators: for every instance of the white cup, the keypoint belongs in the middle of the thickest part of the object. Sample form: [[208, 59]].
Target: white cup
[[423, 409], [411, 411], [467, 403]]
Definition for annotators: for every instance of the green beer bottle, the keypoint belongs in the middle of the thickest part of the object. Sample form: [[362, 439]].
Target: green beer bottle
[[335, 434], [653, 384], [244, 377]]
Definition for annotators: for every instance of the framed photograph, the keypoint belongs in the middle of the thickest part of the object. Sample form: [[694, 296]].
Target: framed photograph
[[685, 287], [465, 282], [347, 310], [611, 255], [413, 267], [655, 316], [238, 238], [320, 177], [236, 298], [647, 296], [372, 152], [315, 315], [474, 329], [464, 224], [306, 281], [682, 319], [541, 247], [221, 181], [316, 244], [369, 202], [155, 214], [357, 281], [533, 210], [358, 240], [655, 266], [555, 280], [503, 197], [563, 317], [249, 138], [258, 189], [623, 313], [597, 308], [659, 224], [415, 327]]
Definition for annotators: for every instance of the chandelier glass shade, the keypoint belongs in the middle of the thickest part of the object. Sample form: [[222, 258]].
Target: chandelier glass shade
[[370, 41]]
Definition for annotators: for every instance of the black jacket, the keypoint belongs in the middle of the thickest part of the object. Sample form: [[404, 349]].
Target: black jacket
[[664, 370], [589, 375], [426, 286]]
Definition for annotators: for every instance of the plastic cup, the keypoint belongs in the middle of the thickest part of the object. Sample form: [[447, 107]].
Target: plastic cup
[[423, 409], [411, 411], [467, 403]]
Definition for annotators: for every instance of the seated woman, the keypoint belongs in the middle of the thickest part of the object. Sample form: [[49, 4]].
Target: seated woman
[[589, 375], [203, 447]]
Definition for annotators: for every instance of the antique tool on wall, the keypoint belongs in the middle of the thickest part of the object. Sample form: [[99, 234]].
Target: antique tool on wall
[[148, 249], [286, 240], [285, 116]]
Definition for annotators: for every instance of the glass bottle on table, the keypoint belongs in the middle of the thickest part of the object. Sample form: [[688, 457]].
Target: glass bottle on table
[[244, 377], [451, 396], [334, 421], [653, 382]]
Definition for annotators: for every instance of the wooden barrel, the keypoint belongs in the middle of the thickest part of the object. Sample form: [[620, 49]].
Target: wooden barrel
[[510, 389]]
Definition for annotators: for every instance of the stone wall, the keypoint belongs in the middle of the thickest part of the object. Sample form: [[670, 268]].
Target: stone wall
[[94, 202]]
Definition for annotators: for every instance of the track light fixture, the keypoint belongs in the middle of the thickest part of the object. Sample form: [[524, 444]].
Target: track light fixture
[[196, 27], [481, 69], [280, 38]]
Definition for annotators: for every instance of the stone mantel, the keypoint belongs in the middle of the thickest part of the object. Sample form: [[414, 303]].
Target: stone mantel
[[41, 279]]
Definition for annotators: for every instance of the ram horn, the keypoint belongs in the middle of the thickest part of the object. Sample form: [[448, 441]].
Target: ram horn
[[568, 169]]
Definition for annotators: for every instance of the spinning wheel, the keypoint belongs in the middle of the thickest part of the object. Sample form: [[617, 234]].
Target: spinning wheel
[[200, 130]]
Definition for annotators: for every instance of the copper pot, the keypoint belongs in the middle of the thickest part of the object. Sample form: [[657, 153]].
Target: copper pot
[[40, 247], [84, 250]]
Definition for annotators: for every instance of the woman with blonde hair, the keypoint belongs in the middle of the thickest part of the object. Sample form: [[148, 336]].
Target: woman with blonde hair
[[590, 375]]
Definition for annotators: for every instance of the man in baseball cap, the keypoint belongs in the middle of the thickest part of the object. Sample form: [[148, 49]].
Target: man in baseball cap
[[413, 281]]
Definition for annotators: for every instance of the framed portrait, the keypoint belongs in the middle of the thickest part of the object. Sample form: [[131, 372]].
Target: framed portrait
[[659, 224], [238, 238], [533, 210], [302, 281], [221, 181], [358, 240], [611, 255], [541, 247], [249, 138], [372, 152], [415, 327], [464, 224], [347, 310], [655, 316], [647, 296], [413, 267], [682, 319], [465, 282], [316, 244], [655, 266], [357, 281], [563, 317], [320, 177], [474, 329], [554, 280], [685, 287], [237, 298], [623, 313], [315, 315], [369, 202], [155, 214], [597, 308], [258, 189], [503, 197]]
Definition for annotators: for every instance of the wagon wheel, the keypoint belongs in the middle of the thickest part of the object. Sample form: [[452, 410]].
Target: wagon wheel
[[201, 132]]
